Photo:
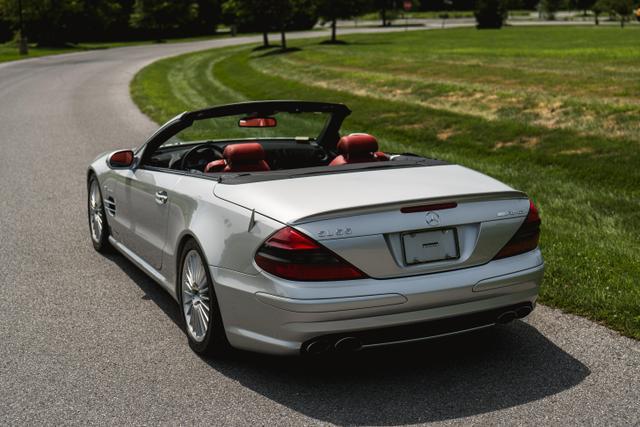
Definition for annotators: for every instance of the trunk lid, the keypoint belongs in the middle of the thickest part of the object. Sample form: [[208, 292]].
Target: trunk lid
[[304, 199], [468, 217]]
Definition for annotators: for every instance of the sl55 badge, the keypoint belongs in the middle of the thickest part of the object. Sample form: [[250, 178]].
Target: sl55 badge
[[511, 213], [339, 232]]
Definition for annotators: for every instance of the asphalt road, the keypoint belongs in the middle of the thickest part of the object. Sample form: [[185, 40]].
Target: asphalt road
[[88, 339]]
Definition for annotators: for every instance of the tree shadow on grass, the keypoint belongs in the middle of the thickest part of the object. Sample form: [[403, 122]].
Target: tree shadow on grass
[[368, 43], [263, 47], [280, 51], [442, 379], [334, 42]]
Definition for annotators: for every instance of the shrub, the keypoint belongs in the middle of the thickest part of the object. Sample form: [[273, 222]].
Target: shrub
[[490, 13]]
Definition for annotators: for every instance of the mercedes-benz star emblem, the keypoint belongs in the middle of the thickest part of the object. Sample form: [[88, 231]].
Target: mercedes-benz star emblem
[[432, 218]]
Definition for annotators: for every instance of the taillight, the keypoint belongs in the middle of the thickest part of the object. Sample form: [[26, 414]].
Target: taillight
[[526, 238], [292, 255]]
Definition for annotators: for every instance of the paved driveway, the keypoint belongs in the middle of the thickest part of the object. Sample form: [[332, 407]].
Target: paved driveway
[[86, 339]]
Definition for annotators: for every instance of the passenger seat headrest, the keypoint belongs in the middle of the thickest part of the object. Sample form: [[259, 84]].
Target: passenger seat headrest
[[244, 153], [358, 143]]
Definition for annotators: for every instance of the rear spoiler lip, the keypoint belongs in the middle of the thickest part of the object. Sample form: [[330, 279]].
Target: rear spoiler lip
[[361, 210]]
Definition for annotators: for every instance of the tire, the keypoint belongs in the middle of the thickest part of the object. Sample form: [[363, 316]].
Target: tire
[[198, 304], [98, 226]]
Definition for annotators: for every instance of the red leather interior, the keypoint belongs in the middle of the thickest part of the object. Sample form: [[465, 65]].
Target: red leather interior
[[358, 148], [245, 157], [216, 166]]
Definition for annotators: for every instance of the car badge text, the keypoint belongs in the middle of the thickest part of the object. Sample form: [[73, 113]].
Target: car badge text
[[511, 213], [339, 232]]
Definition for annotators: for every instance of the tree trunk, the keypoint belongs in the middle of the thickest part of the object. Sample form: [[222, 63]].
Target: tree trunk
[[383, 14], [265, 39], [621, 22], [597, 21], [333, 30], [283, 39]]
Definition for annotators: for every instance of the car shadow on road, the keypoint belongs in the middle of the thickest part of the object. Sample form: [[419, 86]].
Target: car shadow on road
[[443, 379], [152, 291]]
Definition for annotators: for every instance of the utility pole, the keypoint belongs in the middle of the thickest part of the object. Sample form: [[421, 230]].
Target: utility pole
[[24, 48]]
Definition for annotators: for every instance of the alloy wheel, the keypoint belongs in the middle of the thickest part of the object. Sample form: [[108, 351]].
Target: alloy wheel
[[96, 213], [195, 296]]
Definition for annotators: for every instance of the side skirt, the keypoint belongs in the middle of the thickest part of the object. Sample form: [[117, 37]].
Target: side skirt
[[144, 266]]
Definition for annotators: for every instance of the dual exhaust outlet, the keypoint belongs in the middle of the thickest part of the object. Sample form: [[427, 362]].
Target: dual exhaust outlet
[[511, 315], [351, 344], [341, 345]]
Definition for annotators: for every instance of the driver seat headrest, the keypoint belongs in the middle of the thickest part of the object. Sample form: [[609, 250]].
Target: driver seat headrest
[[358, 148], [357, 144], [243, 157]]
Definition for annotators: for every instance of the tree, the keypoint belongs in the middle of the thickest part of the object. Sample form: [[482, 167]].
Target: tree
[[332, 10], [249, 16], [583, 5], [158, 17], [599, 7], [490, 13], [384, 7], [275, 15], [47, 22], [279, 14], [305, 15], [207, 16], [244, 15], [622, 8], [98, 20]]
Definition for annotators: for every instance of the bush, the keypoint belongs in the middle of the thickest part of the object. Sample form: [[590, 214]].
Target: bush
[[490, 13]]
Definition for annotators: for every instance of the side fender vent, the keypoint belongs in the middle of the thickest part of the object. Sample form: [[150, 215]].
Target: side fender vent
[[110, 206]]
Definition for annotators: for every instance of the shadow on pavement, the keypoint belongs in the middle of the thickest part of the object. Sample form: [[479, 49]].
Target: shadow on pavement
[[442, 379], [152, 291]]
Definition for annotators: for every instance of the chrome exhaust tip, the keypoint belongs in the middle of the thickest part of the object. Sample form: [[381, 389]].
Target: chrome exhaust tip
[[317, 347], [507, 317], [523, 311], [348, 344]]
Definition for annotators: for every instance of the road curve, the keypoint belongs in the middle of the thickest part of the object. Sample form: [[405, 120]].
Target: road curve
[[86, 339]]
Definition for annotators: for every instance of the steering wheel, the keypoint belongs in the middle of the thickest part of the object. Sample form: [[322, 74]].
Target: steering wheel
[[199, 156]]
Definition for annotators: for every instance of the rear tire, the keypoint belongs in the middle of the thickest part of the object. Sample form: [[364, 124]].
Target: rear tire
[[98, 226], [198, 304]]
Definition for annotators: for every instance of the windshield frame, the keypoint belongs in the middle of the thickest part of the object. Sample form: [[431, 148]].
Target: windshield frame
[[328, 137]]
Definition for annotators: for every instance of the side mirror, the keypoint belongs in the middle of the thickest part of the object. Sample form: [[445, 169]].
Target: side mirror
[[121, 159], [258, 122]]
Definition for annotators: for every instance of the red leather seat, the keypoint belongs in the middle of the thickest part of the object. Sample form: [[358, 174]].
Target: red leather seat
[[245, 157], [358, 148]]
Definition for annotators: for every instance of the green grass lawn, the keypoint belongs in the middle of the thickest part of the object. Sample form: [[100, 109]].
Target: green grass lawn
[[9, 51], [552, 111]]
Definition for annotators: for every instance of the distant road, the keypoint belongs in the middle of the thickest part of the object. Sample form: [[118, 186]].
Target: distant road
[[86, 339]]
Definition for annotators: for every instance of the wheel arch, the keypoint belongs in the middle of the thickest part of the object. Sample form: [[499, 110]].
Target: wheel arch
[[182, 241], [91, 173]]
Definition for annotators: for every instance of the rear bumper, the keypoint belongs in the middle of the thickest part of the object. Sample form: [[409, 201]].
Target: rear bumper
[[266, 314]]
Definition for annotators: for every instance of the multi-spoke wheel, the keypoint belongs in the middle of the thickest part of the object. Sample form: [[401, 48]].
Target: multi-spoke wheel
[[195, 296], [97, 219], [199, 305]]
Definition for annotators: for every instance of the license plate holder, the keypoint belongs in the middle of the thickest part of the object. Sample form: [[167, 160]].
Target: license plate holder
[[421, 247]]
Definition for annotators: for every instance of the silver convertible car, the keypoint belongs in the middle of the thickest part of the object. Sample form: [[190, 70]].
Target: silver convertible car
[[276, 233]]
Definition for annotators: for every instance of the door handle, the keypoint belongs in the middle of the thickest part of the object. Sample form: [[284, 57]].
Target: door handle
[[161, 197]]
